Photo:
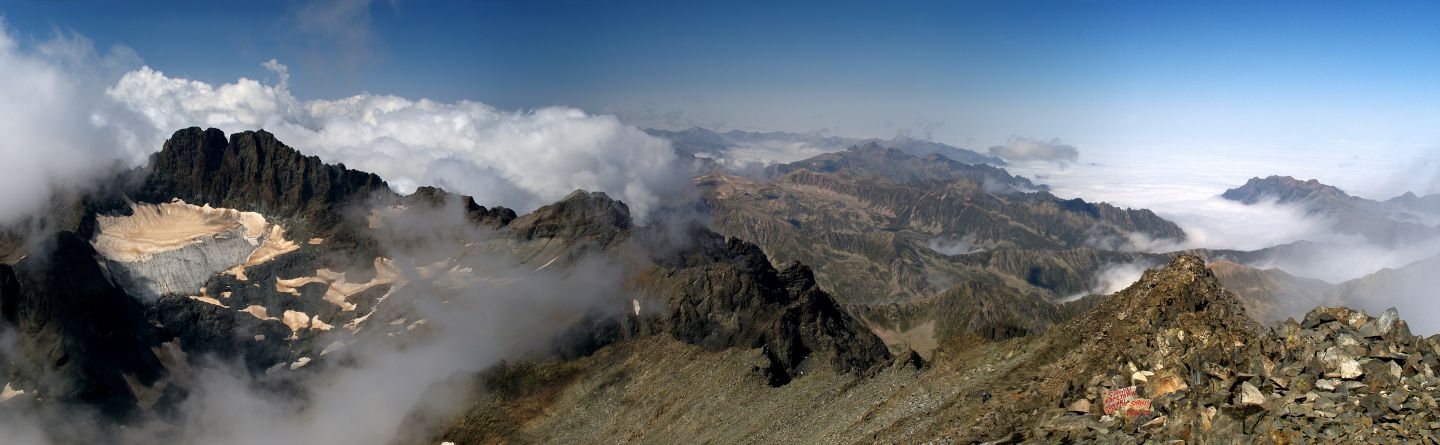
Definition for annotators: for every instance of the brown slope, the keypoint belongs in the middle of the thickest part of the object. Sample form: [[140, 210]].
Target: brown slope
[[1271, 295], [646, 391]]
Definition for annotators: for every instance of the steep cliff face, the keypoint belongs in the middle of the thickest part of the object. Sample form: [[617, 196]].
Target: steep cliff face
[[714, 292], [82, 340], [735, 298], [252, 171]]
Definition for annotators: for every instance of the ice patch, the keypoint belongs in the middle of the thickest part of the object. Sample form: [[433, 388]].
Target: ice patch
[[258, 312], [157, 228], [10, 392]]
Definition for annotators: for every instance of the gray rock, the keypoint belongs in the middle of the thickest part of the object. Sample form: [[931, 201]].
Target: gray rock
[[1386, 321], [1249, 395]]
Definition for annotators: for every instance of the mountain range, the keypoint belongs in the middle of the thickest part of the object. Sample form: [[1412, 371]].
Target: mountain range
[[706, 143], [1396, 221], [874, 293]]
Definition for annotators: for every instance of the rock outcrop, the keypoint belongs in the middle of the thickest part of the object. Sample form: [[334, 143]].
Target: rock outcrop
[[83, 340], [709, 291], [1174, 357]]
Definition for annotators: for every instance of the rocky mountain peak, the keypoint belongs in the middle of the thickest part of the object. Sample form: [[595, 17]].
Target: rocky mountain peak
[[434, 196], [1178, 359], [874, 150], [579, 215], [253, 171], [1182, 301], [1283, 189]]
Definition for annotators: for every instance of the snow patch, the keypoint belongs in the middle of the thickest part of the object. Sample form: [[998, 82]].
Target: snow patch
[[10, 392], [157, 228], [338, 289], [258, 312], [295, 320], [275, 245], [209, 300], [548, 263]]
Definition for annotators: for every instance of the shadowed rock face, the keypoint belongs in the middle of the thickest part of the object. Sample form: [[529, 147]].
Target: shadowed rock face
[[715, 292], [588, 215], [79, 334], [252, 171], [735, 298]]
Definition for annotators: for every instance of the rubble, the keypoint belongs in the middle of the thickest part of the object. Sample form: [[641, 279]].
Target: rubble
[[1337, 376]]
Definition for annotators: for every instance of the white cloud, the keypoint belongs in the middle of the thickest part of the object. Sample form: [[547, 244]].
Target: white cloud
[[1185, 188], [953, 247], [70, 112], [519, 159], [764, 153], [1019, 149], [56, 124], [1110, 279]]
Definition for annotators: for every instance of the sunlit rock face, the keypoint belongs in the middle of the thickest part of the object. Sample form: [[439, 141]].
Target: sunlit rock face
[[173, 248]]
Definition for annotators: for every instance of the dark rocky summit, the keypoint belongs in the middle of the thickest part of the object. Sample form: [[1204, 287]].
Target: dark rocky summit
[[733, 297], [580, 215], [252, 171]]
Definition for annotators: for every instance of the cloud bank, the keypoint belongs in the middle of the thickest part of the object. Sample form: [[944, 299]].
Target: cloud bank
[[71, 112], [56, 123], [1020, 149], [1185, 188]]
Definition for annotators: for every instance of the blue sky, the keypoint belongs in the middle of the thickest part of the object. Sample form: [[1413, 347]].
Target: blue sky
[[1107, 76]]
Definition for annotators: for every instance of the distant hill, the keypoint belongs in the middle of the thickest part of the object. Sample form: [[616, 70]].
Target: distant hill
[[1427, 204], [781, 147], [1384, 223]]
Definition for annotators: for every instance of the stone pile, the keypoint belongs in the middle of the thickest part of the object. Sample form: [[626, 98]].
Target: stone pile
[[1338, 376]]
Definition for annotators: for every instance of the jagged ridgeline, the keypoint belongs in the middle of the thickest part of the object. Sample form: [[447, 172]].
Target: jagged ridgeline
[[243, 249]]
